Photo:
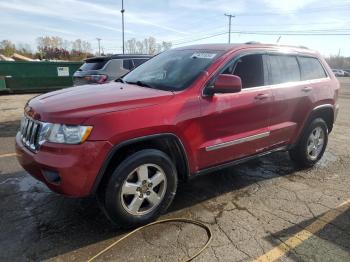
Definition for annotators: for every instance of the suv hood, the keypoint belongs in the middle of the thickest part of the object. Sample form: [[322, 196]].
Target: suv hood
[[75, 105]]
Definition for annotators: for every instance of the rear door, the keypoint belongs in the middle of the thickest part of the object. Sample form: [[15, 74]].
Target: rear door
[[293, 97], [236, 125]]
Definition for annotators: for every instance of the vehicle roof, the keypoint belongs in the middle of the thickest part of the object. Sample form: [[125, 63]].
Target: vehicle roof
[[117, 56], [236, 46]]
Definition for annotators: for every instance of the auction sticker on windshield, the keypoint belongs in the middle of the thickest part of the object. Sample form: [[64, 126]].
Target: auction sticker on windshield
[[203, 55]]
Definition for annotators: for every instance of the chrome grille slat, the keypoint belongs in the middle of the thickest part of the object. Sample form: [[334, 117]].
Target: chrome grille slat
[[25, 128], [32, 136], [30, 132]]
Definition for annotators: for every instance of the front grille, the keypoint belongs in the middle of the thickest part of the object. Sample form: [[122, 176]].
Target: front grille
[[30, 130]]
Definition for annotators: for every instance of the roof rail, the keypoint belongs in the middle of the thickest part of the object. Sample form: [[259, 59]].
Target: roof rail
[[252, 43]]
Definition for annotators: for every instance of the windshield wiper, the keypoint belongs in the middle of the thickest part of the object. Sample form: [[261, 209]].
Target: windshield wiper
[[120, 79], [140, 83]]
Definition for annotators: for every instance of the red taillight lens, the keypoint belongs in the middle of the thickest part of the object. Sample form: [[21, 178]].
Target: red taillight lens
[[99, 79]]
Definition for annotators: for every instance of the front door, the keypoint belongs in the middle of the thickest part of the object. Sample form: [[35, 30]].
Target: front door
[[236, 125]]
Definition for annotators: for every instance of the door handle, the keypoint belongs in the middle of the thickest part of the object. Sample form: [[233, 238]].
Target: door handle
[[262, 96], [306, 89]]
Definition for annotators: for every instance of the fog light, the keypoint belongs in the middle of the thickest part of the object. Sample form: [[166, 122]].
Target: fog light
[[52, 177]]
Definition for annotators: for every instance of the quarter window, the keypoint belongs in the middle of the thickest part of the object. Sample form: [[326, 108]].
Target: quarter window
[[283, 69], [139, 61], [311, 68], [127, 64]]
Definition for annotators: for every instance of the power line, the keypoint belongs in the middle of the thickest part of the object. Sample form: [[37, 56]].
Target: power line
[[219, 30], [194, 40], [295, 33], [306, 11], [291, 33]]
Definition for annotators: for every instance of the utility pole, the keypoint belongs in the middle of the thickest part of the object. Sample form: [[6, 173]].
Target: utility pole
[[99, 45], [229, 26], [122, 11]]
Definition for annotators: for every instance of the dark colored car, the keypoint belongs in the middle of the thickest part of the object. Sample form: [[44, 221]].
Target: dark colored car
[[186, 112], [99, 70]]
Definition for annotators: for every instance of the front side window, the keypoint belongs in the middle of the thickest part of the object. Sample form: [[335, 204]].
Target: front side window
[[311, 68], [250, 69], [172, 70], [283, 69]]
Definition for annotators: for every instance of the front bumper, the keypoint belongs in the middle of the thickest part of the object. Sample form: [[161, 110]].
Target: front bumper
[[76, 165], [336, 111]]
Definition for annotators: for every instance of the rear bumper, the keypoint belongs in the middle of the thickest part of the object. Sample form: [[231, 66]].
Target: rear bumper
[[66, 169]]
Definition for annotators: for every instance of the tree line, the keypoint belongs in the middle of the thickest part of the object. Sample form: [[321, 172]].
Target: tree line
[[338, 62], [147, 46], [57, 48], [49, 48]]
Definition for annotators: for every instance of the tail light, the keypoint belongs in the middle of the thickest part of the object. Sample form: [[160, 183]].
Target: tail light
[[98, 79]]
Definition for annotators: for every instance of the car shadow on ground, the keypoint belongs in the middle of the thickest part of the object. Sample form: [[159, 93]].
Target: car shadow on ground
[[44, 225]]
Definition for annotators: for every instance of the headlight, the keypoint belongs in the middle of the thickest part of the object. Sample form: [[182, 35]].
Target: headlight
[[63, 134]]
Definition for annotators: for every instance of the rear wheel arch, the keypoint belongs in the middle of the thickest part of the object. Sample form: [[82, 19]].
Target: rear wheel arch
[[326, 112], [168, 143]]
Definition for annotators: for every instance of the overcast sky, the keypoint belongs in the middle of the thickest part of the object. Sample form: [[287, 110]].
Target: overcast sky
[[179, 21]]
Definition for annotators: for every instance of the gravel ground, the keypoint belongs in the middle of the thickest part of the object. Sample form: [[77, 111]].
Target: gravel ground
[[251, 209]]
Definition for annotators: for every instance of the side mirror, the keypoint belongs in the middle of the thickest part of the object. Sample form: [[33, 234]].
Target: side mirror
[[227, 84]]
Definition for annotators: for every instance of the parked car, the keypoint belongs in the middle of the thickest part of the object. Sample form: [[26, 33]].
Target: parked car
[[186, 112], [339, 72], [99, 70], [346, 72]]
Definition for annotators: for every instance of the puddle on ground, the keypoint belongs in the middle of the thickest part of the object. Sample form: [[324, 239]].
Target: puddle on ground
[[327, 158], [24, 184]]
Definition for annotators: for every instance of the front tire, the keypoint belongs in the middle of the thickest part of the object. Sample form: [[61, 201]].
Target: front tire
[[312, 144], [140, 189]]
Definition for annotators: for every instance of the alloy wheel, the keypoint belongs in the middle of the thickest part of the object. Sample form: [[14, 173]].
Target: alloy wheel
[[315, 143], [143, 189]]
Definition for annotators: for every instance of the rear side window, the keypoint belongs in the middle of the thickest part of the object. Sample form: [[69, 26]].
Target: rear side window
[[139, 61], [95, 64], [311, 68], [283, 69], [127, 64]]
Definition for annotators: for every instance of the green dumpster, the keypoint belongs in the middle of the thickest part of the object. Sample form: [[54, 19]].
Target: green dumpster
[[35, 76], [2, 84]]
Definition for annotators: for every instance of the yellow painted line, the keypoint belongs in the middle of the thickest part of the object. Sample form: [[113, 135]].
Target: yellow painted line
[[8, 155], [304, 234]]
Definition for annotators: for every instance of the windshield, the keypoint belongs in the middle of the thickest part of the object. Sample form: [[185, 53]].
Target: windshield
[[172, 70]]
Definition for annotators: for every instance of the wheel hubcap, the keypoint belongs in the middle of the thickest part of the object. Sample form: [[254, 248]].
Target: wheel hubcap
[[143, 189], [315, 143]]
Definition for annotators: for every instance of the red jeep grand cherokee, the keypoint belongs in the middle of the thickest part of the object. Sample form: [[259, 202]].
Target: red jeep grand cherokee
[[185, 112]]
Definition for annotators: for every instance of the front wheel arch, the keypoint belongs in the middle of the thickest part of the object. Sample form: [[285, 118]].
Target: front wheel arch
[[166, 142]]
